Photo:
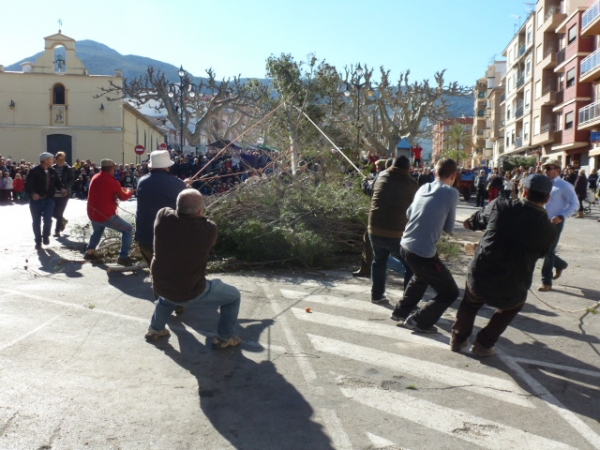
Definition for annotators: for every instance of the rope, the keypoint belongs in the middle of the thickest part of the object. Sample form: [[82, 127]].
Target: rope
[[590, 309], [330, 141]]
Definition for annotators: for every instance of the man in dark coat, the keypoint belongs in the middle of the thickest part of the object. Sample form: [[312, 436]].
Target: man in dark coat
[[517, 234], [481, 185], [41, 184], [393, 193]]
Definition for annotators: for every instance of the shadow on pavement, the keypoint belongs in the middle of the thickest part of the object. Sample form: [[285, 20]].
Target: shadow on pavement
[[249, 403], [53, 263]]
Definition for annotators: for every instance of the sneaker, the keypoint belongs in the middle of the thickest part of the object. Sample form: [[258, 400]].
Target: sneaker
[[63, 224], [46, 240], [545, 288], [383, 299], [91, 255], [412, 324], [480, 350], [152, 335], [219, 344], [456, 346], [398, 318], [125, 261]]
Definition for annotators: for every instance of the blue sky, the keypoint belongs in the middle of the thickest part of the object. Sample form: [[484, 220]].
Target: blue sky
[[236, 36]]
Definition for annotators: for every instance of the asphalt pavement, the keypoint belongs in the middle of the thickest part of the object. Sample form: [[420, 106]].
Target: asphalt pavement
[[320, 366]]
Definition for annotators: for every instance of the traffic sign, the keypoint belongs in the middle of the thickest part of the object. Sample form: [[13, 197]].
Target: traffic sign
[[162, 146], [139, 149]]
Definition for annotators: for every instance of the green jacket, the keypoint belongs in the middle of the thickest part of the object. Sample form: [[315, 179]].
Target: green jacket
[[393, 193]]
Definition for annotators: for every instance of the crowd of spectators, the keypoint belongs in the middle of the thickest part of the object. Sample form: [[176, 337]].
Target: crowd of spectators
[[229, 169]]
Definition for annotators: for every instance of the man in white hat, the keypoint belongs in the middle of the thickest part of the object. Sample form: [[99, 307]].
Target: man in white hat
[[156, 190], [41, 184]]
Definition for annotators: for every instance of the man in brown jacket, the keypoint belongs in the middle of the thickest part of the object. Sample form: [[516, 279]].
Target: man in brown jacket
[[393, 193], [183, 240]]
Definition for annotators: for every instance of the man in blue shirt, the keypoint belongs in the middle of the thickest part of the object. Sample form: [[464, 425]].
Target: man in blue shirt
[[563, 204], [155, 191], [432, 212]]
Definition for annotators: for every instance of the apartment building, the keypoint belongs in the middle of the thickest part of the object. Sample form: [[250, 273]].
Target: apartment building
[[571, 141], [441, 135], [518, 90], [479, 120], [491, 146], [588, 116]]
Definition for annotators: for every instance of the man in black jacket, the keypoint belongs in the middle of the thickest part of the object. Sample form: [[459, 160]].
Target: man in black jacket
[[41, 184], [65, 173], [517, 234]]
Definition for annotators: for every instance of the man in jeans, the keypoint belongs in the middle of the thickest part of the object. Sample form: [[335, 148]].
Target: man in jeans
[[183, 239], [392, 194], [432, 211], [41, 185], [104, 192]]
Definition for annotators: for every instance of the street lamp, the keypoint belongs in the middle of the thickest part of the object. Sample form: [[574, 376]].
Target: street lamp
[[356, 83], [184, 88]]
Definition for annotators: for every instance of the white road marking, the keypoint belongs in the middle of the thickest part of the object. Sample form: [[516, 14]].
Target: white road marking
[[493, 387], [335, 430], [470, 428], [29, 333], [379, 442], [372, 328], [307, 371], [533, 362], [330, 300], [543, 393]]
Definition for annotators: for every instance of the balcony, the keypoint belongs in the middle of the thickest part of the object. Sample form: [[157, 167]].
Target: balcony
[[549, 60], [503, 98], [590, 20], [554, 17], [546, 135], [560, 97], [590, 67], [589, 115], [518, 142], [521, 81], [548, 97], [519, 113], [557, 137], [560, 56], [501, 149], [522, 50]]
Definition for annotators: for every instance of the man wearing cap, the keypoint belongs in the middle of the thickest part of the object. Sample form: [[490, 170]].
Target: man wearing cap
[[517, 234], [104, 192], [155, 191], [563, 204], [41, 184]]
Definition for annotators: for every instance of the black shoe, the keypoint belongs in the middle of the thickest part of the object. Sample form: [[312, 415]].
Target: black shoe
[[412, 324], [125, 261], [361, 274], [457, 346], [91, 255], [396, 318], [46, 240], [56, 234]]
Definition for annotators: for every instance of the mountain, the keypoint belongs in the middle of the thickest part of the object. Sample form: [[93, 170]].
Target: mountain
[[103, 60]]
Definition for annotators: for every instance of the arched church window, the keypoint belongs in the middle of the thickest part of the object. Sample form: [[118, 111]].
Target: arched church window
[[58, 94]]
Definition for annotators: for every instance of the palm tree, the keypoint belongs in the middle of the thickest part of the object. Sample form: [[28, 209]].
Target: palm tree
[[459, 143]]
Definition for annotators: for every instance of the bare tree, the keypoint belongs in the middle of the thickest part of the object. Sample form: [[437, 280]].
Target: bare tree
[[391, 111], [212, 97]]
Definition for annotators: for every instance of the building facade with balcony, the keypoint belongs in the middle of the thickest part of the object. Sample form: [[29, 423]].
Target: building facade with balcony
[[480, 120], [571, 142], [494, 137]]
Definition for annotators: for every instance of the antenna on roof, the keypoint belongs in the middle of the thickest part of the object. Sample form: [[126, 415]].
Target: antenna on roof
[[59, 26], [530, 7], [516, 16]]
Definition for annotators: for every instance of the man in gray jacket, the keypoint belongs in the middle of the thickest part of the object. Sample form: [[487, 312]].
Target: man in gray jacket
[[432, 212]]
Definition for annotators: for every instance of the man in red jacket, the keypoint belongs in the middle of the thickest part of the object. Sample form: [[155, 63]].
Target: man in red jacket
[[104, 192]]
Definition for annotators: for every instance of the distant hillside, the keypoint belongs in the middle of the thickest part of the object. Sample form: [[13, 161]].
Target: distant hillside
[[103, 60]]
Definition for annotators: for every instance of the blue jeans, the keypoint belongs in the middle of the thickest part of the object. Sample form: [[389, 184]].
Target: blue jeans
[[216, 293], [552, 260], [114, 223], [383, 247], [43, 207]]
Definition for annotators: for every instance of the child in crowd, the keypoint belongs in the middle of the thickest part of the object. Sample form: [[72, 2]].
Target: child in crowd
[[19, 187], [7, 187]]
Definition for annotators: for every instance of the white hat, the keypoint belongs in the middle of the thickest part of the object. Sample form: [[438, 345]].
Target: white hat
[[160, 159]]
